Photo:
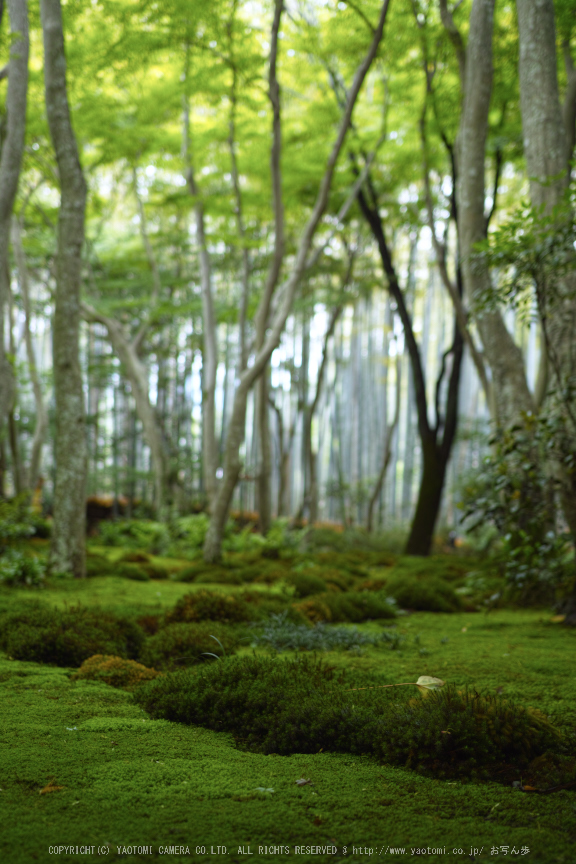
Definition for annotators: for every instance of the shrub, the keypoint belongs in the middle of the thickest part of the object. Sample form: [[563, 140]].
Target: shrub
[[115, 671], [67, 637], [16, 520], [16, 568], [185, 644], [208, 606], [298, 706], [190, 530], [281, 634], [426, 595], [135, 534]]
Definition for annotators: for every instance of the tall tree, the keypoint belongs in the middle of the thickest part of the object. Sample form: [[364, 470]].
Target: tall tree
[[232, 465], [13, 135], [67, 551]]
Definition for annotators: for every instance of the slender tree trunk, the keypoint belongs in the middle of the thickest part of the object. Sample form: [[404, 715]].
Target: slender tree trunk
[[512, 397], [136, 374], [67, 553], [386, 454], [41, 413], [265, 453], [10, 162]]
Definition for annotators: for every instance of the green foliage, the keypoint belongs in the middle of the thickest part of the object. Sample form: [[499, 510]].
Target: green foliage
[[425, 595], [185, 644], [17, 568], [281, 634], [135, 534], [209, 606], [516, 493], [68, 637], [190, 531], [300, 706], [17, 520]]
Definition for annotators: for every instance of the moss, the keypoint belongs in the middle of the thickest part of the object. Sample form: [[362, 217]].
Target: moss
[[306, 583], [68, 637], [115, 671], [350, 606], [186, 644], [430, 595], [209, 606], [131, 571], [301, 706]]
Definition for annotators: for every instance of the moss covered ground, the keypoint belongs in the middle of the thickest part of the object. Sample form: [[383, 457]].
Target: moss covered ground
[[83, 765]]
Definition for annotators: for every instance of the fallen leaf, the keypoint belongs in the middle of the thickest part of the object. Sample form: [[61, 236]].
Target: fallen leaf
[[50, 787], [317, 821], [464, 629], [426, 683], [263, 789], [303, 782], [558, 619]]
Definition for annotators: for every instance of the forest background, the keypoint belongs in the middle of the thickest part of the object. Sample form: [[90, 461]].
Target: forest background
[[312, 260]]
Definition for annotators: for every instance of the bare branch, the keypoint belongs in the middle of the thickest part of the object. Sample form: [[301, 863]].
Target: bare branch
[[277, 202]]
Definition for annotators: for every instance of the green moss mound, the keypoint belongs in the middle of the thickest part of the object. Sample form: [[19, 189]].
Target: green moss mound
[[424, 595], [306, 584], [115, 671], [179, 645], [209, 606], [346, 606], [67, 637], [300, 706]]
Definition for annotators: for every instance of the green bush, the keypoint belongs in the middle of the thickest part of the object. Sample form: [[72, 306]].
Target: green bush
[[424, 595], [298, 706], [209, 606], [213, 572], [135, 534], [185, 644], [190, 531], [16, 568], [67, 637], [16, 520]]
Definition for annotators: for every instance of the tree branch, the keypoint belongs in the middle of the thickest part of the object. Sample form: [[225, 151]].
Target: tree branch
[[456, 38]]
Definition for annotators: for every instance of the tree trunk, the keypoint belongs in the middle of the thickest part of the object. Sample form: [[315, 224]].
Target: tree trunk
[[265, 454], [136, 374], [547, 146], [67, 552], [10, 162], [511, 394], [41, 413]]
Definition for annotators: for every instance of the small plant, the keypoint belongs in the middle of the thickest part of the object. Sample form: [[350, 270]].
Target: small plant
[[16, 568], [115, 671], [281, 634]]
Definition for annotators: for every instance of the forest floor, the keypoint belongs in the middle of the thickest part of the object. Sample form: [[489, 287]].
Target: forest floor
[[84, 766]]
